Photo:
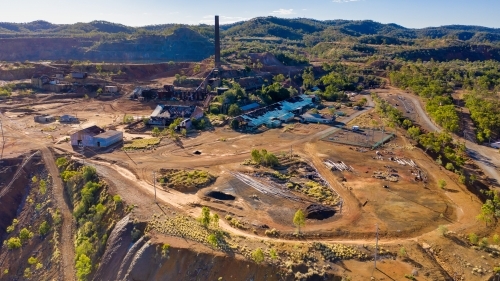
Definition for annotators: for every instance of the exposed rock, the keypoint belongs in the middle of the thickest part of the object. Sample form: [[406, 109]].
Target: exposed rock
[[116, 249]]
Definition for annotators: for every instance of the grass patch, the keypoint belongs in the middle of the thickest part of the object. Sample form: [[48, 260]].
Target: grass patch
[[315, 190], [141, 144], [180, 179]]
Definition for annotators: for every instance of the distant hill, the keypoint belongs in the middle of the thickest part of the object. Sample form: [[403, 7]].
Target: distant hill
[[294, 29], [354, 38]]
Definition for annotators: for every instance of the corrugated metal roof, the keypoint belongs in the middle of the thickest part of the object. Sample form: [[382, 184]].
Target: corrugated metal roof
[[250, 106], [108, 134]]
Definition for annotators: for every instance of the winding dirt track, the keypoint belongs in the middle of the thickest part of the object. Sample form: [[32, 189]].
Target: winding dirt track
[[67, 246], [486, 158]]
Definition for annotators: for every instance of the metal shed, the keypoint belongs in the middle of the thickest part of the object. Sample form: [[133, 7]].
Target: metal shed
[[108, 138]]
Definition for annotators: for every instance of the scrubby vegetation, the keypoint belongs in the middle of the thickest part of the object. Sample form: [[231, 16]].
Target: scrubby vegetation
[[189, 228], [315, 190], [185, 180], [94, 211], [264, 158]]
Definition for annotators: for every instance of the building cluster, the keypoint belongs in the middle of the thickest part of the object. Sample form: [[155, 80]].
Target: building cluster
[[276, 114], [56, 83], [164, 115]]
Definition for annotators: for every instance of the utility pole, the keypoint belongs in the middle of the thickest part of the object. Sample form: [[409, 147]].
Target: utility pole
[[376, 250], [83, 154], [3, 139], [154, 183]]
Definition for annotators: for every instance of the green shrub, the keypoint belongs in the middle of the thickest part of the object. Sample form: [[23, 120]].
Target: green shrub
[[61, 162], [442, 184], [14, 243], [450, 167], [258, 255], [473, 238], [12, 227], [43, 187], [212, 240], [27, 273], [117, 199], [442, 229], [83, 267], [273, 254], [25, 235], [32, 260], [164, 250], [44, 228]]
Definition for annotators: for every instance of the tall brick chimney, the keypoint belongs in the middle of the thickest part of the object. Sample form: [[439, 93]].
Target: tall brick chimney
[[217, 42]]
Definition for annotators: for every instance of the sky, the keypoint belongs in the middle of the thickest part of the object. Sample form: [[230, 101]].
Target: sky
[[408, 13]]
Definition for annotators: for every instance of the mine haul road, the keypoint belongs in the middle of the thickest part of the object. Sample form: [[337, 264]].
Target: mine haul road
[[488, 159]]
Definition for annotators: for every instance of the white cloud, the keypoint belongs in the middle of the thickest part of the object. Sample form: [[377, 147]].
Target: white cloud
[[283, 12], [345, 1], [210, 19]]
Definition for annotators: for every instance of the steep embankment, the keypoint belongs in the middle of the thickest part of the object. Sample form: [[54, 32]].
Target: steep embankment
[[183, 45], [183, 260]]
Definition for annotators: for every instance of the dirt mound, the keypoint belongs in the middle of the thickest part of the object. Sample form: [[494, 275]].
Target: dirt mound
[[220, 195], [267, 59], [319, 212]]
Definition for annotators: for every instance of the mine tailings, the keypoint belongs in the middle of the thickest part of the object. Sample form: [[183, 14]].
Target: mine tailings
[[14, 189]]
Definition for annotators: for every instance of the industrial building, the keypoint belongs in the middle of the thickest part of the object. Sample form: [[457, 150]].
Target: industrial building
[[315, 118], [68, 119], [44, 118], [163, 115], [95, 137], [53, 84], [274, 115]]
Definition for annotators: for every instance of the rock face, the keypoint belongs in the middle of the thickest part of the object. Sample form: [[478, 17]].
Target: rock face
[[117, 248], [183, 45], [185, 260]]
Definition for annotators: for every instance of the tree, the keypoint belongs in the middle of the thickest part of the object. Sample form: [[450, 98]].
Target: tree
[[414, 132], [256, 156], [279, 78], [258, 255], [215, 220], [44, 228], [184, 132], [205, 216], [487, 214], [83, 267], [99, 91], [235, 124], [98, 67], [299, 220], [155, 132], [234, 110]]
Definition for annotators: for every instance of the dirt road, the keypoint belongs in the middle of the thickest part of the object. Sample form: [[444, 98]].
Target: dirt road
[[67, 246], [486, 158]]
